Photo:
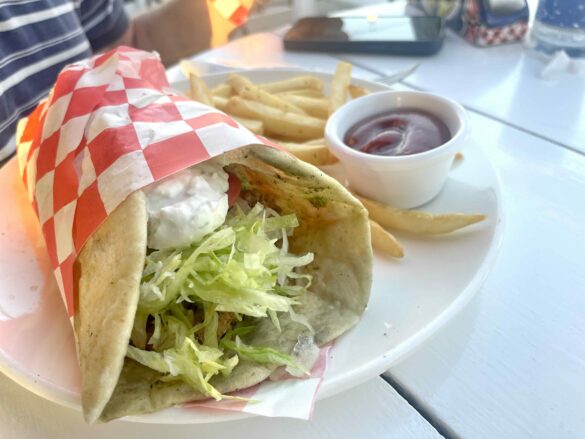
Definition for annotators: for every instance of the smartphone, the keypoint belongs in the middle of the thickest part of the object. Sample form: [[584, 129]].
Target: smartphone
[[422, 35]]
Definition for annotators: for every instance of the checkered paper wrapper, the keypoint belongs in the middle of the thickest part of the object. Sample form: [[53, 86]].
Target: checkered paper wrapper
[[110, 126]]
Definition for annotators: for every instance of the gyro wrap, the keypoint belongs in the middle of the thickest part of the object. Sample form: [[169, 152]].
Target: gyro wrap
[[111, 127]]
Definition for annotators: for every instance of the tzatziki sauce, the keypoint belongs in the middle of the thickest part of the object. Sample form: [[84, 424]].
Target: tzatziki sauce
[[186, 206]]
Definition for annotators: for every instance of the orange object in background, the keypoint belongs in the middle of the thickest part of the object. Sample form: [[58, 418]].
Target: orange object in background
[[225, 16]]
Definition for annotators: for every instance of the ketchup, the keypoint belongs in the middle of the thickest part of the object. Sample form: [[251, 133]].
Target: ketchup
[[398, 132]]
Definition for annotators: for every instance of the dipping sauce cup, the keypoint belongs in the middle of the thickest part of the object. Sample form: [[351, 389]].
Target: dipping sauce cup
[[403, 181]]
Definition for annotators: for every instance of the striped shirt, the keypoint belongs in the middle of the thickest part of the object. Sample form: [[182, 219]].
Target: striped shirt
[[38, 38]]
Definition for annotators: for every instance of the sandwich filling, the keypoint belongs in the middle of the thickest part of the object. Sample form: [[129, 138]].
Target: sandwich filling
[[215, 265]]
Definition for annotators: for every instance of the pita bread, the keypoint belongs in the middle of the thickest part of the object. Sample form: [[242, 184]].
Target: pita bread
[[111, 266]]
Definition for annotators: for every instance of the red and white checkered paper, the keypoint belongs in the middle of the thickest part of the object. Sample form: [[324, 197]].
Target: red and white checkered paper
[[482, 35], [110, 126], [486, 36]]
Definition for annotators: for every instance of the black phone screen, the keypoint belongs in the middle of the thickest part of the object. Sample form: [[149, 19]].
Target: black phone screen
[[380, 29]]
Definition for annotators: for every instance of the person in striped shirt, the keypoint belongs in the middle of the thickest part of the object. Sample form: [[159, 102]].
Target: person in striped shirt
[[39, 37]]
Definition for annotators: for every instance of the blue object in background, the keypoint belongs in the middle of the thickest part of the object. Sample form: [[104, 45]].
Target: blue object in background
[[560, 25], [562, 13]]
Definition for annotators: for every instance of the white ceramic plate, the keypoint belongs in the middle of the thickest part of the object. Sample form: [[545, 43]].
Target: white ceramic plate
[[410, 300]]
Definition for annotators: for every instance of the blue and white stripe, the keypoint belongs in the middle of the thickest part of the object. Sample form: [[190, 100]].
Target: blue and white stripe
[[39, 37]]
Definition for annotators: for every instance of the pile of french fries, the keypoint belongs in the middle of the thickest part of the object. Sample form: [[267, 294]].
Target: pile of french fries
[[293, 114]]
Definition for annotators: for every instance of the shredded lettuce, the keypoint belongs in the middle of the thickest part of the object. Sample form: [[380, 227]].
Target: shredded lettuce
[[198, 303], [193, 363], [261, 354]]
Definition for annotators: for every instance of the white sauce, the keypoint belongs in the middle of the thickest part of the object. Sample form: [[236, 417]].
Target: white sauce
[[186, 206], [305, 353]]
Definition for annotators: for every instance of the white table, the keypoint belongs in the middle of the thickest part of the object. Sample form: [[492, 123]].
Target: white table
[[372, 410], [512, 363]]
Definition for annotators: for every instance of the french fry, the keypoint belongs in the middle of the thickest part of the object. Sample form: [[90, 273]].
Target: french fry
[[314, 153], [238, 82], [277, 122], [249, 91], [298, 82], [416, 221], [222, 90], [319, 141], [220, 103], [307, 92], [385, 241], [318, 107], [339, 86], [256, 126], [356, 91], [187, 68], [199, 90]]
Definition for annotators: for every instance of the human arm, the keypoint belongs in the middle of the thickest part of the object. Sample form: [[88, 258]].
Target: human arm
[[176, 29]]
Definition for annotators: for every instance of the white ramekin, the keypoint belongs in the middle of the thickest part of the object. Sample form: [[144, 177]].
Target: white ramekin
[[400, 181]]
